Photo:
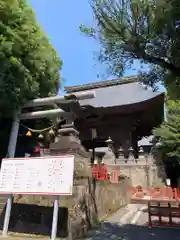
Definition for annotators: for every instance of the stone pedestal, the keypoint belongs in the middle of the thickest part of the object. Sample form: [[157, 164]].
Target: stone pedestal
[[109, 157], [67, 141], [131, 158], [120, 156]]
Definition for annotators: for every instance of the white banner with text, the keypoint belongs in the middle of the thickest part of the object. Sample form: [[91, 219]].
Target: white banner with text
[[51, 175]]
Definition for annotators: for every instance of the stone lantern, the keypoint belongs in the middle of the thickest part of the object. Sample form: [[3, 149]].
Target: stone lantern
[[109, 157], [131, 154], [141, 153], [109, 143], [120, 153]]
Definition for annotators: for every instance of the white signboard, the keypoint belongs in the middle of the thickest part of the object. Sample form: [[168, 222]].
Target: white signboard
[[44, 176]]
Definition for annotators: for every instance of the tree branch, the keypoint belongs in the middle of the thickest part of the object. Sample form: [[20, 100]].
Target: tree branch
[[155, 60], [162, 63]]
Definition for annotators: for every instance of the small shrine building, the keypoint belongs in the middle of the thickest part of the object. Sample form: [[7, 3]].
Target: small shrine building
[[123, 109]]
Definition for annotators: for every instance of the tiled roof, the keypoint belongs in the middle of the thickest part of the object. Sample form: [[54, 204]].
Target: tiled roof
[[101, 84], [113, 93], [120, 95]]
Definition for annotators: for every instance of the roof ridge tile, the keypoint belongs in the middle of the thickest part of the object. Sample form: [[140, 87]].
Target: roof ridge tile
[[101, 84]]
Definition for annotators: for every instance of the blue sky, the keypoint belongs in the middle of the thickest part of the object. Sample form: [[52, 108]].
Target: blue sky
[[61, 20]]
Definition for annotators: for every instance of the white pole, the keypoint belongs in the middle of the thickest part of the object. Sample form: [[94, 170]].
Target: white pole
[[11, 153], [55, 218]]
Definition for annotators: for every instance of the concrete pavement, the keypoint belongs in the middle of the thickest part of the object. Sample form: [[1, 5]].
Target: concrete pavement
[[130, 223]]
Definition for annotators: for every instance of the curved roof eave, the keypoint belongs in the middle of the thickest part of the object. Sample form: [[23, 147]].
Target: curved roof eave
[[120, 95]]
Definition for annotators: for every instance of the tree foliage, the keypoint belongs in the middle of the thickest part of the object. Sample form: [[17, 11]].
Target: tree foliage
[[145, 30], [169, 132], [29, 65]]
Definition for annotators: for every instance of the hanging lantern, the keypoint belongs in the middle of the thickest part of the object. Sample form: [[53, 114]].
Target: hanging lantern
[[29, 134]]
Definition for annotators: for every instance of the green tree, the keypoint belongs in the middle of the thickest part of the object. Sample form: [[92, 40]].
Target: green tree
[[29, 65], [145, 30], [169, 132]]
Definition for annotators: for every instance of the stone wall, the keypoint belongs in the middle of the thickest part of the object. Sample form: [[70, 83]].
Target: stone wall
[[141, 173], [91, 202], [110, 197], [147, 170]]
